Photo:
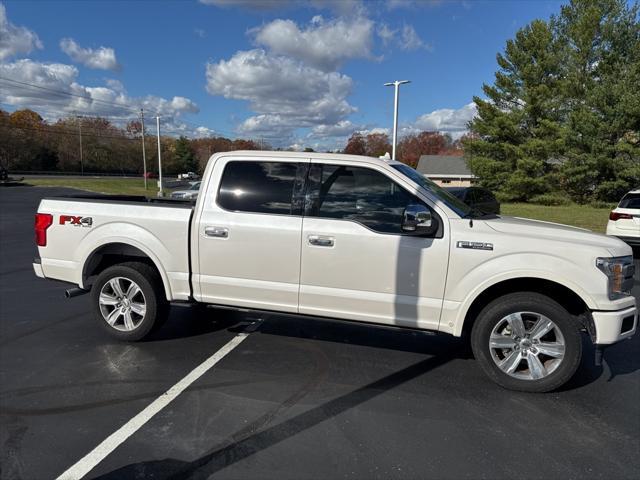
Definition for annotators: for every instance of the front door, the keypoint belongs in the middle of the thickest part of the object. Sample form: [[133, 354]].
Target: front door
[[356, 261], [249, 235]]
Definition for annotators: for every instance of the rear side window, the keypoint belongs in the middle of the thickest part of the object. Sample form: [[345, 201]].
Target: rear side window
[[358, 194], [258, 187], [630, 200]]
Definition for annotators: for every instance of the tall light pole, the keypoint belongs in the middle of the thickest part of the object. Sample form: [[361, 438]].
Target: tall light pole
[[144, 155], [160, 193], [396, 84]]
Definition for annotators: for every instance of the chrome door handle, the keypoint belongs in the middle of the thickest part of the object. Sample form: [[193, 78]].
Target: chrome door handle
[[219, 232], [321, 241]]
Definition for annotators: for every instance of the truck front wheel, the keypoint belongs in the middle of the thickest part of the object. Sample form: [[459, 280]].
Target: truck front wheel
[[128, 300], [527, 341]]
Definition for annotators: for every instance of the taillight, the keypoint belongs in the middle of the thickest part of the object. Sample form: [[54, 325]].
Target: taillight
[[619, 216], [43, 221]]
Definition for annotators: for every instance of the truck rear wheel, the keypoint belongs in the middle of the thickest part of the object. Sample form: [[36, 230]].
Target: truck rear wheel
[[527, 341], [128, 300]]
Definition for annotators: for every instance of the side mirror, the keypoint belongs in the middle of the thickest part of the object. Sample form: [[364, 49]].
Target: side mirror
[[418, 220]]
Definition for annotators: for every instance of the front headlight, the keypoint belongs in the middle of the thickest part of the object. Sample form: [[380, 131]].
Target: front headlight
[[619, 271]]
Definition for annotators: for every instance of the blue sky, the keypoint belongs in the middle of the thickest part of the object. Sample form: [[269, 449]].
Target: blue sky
[[301, 73]]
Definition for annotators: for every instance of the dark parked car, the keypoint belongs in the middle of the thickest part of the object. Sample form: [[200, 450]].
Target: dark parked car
[[477, 197]]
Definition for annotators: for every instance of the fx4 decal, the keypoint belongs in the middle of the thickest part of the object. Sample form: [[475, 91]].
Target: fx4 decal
[[76, 221]]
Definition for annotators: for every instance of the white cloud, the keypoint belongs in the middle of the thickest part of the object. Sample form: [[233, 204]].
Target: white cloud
[[284, 93], [410, 40], [114, 84], [183, 105], [343, 128], [102, 58], [386, 33], [52, 90], [375, 130], [15, 40], [202, 132], [324, 45], [445, 120]]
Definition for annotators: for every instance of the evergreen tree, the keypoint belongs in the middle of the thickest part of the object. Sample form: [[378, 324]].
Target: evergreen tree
[[601, 59], [185, 157], [563, 111]]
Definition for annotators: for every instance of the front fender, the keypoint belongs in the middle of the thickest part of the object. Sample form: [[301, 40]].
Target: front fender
[[464, 287]]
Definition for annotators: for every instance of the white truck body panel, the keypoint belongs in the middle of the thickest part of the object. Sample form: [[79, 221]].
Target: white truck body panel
[[161, 232]]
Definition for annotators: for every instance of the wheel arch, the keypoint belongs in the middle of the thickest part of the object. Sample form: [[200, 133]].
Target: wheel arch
[[113, 253], [573, 302]]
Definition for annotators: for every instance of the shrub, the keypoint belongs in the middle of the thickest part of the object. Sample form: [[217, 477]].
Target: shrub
[[601, 204], [549, 199]]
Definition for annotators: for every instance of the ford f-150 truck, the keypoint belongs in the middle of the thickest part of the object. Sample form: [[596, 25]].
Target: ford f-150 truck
[[355, 238]]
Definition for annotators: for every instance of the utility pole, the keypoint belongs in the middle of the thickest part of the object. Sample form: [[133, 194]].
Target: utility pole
[[160, 192], [396, 84], [80, 136], [144, 156]]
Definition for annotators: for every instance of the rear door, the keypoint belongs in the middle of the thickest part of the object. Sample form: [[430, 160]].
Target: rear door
[[356, 262], [249, 234]]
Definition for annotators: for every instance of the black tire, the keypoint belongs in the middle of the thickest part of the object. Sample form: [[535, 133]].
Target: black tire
[[152, 294], [561, 369]]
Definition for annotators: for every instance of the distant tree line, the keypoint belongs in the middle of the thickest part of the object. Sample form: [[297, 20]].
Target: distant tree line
[[410, 147], [562, 119], [29, 143]]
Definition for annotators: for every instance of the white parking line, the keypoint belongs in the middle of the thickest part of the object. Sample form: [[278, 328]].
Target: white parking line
[[93, 458]]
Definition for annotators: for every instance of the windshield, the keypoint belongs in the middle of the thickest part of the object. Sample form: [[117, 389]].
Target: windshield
[[441, 194], [195, 186]]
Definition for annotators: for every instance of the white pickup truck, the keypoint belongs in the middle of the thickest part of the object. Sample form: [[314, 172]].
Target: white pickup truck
[[353, 238]]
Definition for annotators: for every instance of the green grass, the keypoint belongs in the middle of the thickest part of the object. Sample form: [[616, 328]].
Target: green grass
[[122, 186], [577, 215]]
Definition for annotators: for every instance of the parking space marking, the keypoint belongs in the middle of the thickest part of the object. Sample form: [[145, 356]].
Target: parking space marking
[[93, 458]]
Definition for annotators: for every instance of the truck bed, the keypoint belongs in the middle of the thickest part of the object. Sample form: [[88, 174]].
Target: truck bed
[[83, 224]]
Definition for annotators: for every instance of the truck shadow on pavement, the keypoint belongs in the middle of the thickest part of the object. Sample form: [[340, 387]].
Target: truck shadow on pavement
[[244, 445]]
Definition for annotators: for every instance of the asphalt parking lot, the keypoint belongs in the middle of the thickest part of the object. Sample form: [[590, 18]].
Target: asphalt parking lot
[[299, 398]]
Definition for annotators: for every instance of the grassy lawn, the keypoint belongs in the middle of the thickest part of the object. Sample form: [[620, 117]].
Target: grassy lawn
[[577, 215], [122, 186]]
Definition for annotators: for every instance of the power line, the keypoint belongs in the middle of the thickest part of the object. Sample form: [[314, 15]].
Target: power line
[[66, 114], [176, 123], [68, 132], [177, 120], [61, 92]]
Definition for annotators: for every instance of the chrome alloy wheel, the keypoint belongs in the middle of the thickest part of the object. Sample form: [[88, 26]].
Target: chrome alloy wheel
[[122, 304], [527, 345]]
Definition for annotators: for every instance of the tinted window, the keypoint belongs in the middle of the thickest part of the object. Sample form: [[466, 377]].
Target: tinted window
[[441, 194], [359, 194], [259, 187], [470, 196], [630, 200], [484, 196]]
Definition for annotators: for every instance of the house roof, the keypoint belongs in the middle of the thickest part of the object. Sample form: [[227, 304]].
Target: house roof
[[443, 165]]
